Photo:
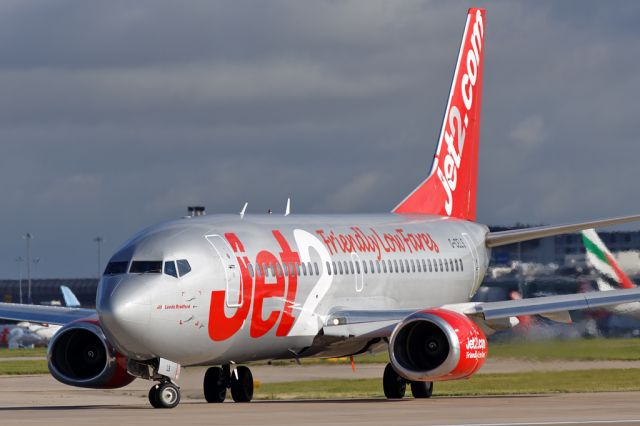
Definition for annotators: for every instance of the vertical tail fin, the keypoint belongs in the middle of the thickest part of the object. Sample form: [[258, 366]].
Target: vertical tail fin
[[601, 259], [70, 299], [450, 189]]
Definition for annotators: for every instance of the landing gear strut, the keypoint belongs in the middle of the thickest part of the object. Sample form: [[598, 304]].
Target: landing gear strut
[[395, 386], [164, 395], [218, 379]]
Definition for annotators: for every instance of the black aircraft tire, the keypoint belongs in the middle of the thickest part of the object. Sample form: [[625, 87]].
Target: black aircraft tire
[[215, 386], [242, 386], [153, 397], [394, 386], [421, 389], [167, 395]]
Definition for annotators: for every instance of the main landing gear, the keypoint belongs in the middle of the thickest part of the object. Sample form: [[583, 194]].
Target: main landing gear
[[395, 386], [218, 379]]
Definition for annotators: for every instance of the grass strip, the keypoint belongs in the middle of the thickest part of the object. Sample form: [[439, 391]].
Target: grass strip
[[602, 380], [571, 349], [13, 368], [19, 353]]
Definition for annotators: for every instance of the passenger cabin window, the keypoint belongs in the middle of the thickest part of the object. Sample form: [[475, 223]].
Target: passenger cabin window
[[250, 268], [170, 269], [116, 268], [384, 266], [461, 266], [183, 267], [146, 267], [340, 267], [328, 267], [304, 269], [371, 266], [315, 267]]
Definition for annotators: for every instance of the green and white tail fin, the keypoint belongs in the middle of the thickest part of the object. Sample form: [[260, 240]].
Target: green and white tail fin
[[601, 259]]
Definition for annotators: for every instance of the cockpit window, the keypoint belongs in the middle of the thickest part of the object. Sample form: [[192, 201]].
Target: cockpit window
[[170, 269], [183, 267], [116, 268], [146, 267]]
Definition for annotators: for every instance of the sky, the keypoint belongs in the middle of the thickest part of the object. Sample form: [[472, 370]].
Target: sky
[[117, 115]]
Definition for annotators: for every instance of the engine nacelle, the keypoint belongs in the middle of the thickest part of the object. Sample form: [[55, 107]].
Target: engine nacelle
[[436, 345], [80, 355]]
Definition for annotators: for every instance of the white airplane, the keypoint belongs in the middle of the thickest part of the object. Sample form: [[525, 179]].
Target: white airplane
[[610, 274], [224, 290], [26, 334]]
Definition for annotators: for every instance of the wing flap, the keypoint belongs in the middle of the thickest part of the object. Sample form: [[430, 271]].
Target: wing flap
[[43, 314]]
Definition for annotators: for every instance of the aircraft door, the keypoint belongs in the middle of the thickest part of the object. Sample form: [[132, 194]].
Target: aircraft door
[[232, 274], [358, 272], [476, 262]]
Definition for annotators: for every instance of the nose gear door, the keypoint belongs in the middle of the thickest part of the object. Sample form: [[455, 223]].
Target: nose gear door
[[232, 274]]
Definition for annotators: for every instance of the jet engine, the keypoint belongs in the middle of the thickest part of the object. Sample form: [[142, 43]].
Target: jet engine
[[80, 355], [437, 345]]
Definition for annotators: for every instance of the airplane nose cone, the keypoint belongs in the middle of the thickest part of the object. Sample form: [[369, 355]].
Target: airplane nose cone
[[124, 306]]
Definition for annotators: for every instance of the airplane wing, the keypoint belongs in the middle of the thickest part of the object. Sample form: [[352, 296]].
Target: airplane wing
[[492, 315], [494, 239], [43, 314]]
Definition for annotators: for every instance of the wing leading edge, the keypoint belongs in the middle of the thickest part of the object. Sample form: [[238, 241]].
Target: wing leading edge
[[494, 239], [43, 314]]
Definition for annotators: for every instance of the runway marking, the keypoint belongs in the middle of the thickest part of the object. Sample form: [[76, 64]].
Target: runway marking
[[577, 422]]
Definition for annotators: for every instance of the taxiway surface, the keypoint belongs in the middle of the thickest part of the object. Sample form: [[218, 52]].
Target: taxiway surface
[[31, 400]]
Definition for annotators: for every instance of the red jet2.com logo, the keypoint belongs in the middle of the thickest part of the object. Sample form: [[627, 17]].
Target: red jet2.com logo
[[285, 287]]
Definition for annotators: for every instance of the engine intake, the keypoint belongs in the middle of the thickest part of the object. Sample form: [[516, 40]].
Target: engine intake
[[80, 355], [436, 345]]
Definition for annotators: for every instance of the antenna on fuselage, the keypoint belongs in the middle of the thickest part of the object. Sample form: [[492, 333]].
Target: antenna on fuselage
[[287, 211], [244, 209]]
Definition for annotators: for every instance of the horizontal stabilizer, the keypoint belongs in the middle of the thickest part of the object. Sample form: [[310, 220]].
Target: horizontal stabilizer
[[494, 239]]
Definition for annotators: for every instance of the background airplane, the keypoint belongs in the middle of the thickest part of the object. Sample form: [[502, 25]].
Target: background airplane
[[225, 290], [26, 334], [610, 274]]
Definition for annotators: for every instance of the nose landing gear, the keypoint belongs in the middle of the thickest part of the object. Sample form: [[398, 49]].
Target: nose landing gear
[[164, 395], [218, 379]]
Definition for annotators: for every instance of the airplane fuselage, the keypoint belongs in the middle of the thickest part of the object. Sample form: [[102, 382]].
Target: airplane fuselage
[[261, 287]]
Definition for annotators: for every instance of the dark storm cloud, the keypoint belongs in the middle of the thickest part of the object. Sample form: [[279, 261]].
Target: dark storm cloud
[[115, 115]]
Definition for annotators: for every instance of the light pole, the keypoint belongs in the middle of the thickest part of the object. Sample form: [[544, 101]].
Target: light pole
[[28, 236], [98, 240], [19, 260]]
